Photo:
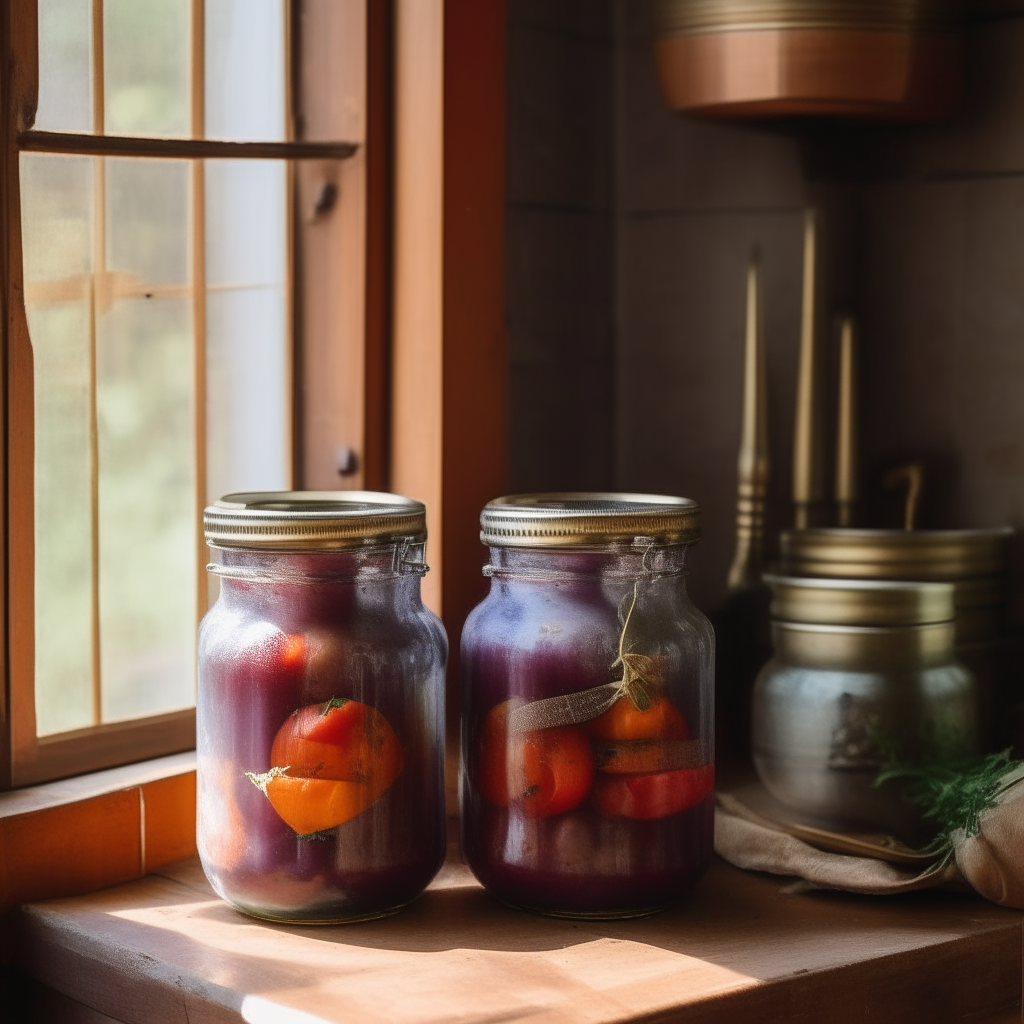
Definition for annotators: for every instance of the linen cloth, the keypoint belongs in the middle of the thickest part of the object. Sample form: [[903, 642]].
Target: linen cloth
[[991, 862]]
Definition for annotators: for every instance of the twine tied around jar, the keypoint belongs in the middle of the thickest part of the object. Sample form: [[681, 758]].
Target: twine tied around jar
[[642, 676]]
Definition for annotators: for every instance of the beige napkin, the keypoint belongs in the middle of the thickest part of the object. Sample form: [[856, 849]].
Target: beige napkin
[[991, 862], [747, 840]]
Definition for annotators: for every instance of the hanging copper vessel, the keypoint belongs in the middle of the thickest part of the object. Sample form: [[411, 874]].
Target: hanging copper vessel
[[893, 59]]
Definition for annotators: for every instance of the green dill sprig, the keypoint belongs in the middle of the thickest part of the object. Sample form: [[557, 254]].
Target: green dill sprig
[[953, 793]]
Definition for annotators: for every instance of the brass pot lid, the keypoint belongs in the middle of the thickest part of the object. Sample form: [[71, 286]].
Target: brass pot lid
[[677, 17], [573, 519], [896, 554], [836, 602], [312, 520]]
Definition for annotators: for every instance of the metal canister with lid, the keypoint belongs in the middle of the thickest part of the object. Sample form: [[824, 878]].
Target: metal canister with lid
[[975, 561], [863, 671]]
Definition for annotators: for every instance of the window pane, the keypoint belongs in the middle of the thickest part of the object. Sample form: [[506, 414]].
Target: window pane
[[145, 428], [245, 69], [247, 419], [57, 204], [146, 67], [247, 439], [65, 82], [63, 505], [147, 506], [147, 218], [245, 222]]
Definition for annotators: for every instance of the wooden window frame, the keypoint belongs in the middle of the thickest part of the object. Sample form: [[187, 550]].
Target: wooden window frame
[[334, 241]]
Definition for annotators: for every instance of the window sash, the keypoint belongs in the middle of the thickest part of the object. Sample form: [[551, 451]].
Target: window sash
[[27, 758]]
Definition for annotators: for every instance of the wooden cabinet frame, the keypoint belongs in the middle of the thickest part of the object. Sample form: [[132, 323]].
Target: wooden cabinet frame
[[449, 361]]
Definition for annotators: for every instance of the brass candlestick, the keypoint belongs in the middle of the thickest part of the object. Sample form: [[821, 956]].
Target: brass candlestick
[[753, 463], [847, 489], [806, 468]]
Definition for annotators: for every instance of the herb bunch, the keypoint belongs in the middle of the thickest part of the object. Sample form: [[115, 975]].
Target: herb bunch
[[953, 793]]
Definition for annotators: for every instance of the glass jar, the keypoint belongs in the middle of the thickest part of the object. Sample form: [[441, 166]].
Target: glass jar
[[863, 671], [320, 735], [587, 744]]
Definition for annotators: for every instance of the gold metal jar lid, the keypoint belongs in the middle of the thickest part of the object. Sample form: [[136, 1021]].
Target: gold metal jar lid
[[835, 602], [573, 519], [896, 554], [312, 520]]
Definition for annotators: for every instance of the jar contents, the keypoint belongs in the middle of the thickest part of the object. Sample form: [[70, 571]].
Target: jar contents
[[588, 770], [320, 738]]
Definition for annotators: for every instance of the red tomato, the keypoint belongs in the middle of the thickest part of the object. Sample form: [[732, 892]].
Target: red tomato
[[341, 739], [543, 772], [653, 796], [624, 721], [292, 652]]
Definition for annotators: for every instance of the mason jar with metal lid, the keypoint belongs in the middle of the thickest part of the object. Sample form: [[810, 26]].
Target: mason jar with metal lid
[[587, 745], [320, 711], [863, 670]]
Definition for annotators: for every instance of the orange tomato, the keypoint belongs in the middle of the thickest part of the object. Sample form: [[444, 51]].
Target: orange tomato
[[312, 805], [341, 739], [634, 757], [660, 795], [625, 721], [542, 772], [331, 762]]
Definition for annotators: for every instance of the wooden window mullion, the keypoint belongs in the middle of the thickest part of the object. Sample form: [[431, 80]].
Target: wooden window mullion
[[98, 281], [197, 247]]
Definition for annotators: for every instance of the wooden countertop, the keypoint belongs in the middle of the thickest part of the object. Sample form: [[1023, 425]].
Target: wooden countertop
[[164, 949]]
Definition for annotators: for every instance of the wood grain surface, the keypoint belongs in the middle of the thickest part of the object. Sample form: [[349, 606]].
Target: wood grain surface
[[75, 835], [166, 949]]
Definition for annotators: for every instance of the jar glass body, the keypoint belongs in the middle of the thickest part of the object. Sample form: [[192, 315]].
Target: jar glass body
[[611, 814], [836, 701], [330, 663]]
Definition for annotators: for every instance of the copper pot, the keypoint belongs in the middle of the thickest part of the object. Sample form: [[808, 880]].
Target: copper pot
[[897, 59]]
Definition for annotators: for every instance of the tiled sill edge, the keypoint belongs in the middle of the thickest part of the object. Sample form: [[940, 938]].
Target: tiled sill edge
[[75, 835]]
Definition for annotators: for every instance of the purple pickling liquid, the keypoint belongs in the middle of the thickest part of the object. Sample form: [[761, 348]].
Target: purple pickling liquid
[[355, 646], [535, 638]]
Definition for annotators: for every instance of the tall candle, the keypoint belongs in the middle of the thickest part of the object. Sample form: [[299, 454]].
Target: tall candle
[[806, 475], [847, 489], [753, 466]]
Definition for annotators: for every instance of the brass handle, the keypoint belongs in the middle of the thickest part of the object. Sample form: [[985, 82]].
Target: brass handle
[[913, 474]]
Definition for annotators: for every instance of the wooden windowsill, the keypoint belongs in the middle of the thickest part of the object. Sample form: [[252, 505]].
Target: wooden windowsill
[[75, 835], [742, 949]]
